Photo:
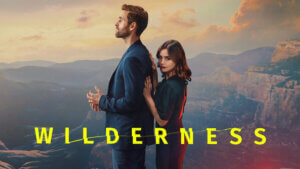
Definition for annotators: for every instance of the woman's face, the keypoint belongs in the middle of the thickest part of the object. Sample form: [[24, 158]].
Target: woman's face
[[165, 62]]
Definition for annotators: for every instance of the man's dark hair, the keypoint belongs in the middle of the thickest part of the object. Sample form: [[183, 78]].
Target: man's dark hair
[[138, 15]]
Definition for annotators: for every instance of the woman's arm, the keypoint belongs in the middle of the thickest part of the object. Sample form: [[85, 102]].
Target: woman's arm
[[150, 102], [154, 70]]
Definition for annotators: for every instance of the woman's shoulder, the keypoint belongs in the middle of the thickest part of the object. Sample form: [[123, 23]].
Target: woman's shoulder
[[175, 80], [175, 83]]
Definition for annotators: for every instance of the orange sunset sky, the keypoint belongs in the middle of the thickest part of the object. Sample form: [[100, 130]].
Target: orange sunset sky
[[69, 30]]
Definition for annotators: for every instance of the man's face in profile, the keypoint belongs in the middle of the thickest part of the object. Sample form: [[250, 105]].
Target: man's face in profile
[[122, 26]]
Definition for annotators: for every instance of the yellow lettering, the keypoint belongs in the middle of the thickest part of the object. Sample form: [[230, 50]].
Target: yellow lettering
[[257, 134], [238, 137], [67, 135], [210, 136], [108, 137], [135, 136], [183, 133], [44, 134], [160, 136], [85, 138]]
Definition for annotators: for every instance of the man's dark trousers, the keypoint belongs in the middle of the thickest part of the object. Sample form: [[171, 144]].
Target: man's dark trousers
[[131, 159]]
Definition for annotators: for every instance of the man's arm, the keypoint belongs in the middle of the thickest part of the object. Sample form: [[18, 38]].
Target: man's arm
[[133, 81]]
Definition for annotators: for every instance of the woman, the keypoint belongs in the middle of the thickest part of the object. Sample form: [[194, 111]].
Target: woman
[[168, 104]]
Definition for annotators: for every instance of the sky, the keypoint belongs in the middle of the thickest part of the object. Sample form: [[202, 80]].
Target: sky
[[69, 30]]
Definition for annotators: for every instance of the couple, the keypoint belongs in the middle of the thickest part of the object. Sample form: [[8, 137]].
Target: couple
[[131, 102]]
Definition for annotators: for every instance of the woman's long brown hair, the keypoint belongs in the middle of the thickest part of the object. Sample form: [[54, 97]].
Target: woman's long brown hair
[[177, 54]]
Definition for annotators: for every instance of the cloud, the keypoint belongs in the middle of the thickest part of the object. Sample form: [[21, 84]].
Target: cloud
[[37, 5], [28, 6], [256, 23], [177, 19], [86, 17], [198, 25], [34, 38], [177, 24], [265, 14], [83, 19]]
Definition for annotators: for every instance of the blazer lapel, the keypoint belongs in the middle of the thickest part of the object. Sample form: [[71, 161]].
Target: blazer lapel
[[112, 78], [113, 75]]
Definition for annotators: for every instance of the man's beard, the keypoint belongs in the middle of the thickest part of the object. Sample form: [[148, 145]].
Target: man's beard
[[123, 34]]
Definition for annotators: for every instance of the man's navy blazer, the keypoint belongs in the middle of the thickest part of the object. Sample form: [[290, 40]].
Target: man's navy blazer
[[124, 103]]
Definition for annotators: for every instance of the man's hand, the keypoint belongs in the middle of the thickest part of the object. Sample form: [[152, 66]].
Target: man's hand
[[95, 107], [94, 98]]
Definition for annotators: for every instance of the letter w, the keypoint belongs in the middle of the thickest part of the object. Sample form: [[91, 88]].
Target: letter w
[[40, 137]]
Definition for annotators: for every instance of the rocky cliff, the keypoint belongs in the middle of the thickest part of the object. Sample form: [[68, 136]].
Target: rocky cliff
[[277, 86], [280, 108], [286, 49], [257, 85]]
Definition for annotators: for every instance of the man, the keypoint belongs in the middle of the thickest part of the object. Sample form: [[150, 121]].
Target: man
[[124, 103]]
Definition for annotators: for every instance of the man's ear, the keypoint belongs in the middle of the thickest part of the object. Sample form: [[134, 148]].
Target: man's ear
[[132, 26]]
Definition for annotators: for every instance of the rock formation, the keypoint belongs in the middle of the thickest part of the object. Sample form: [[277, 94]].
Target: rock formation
[[286, 49]]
